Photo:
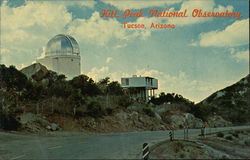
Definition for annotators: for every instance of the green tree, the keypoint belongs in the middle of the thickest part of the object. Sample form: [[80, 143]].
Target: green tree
[[87, 85], [12, 78], [114, 88]]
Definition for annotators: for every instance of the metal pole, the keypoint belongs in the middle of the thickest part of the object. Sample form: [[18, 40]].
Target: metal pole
[[203, 132], [145, 151], [171, 135], [184, 133]]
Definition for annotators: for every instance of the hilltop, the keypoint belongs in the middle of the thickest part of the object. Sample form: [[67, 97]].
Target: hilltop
[[232, 103]]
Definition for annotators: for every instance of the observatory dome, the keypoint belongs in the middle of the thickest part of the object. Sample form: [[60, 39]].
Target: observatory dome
[[62, 45]]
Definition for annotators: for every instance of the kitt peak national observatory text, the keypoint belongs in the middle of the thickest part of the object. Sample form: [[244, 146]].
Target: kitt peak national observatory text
[[195, 13]]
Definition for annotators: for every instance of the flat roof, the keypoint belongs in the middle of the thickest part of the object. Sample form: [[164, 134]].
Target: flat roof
[[140, 77]]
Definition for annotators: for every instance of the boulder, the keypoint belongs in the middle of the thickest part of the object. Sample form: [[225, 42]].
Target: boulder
[[134, 115], [218, 121], [32, 122], [177, 121], [185, 120], [163, 108], [35, 71], [192, 121], [136, 107], [122, 116], [157, 116], [36, 123], [27, 118], [54, 127]]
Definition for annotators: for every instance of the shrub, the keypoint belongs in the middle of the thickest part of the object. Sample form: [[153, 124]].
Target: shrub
[[235, 134], [229, 138], [8, 121], [182, 155], [109, 111], [177, 146], [80, 111], [124, 101], [87, 85], [114, 88], [247, 142], [148, 111], [12, 78], [60, 89], [220, 134], [94, 109], [171, 98]]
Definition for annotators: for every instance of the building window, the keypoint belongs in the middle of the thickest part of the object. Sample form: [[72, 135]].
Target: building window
[[127, 81]]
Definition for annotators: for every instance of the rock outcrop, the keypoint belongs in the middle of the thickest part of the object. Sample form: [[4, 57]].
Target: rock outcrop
[[35, 71], [231, 103], [184, 120], [218, 121], [35, 123]]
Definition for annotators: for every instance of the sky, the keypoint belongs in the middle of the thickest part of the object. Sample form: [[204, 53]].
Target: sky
[[196, 58]]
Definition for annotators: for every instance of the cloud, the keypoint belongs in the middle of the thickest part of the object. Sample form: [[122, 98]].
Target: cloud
[[35, 13], [98, 73], [120, 46], [194, 90], [128, 4], [27, 28], [43, 53], [182, 83], [236, 34], [193, 43], [109, 59], [87, 3], [241, 55], [191, 5], [97, 30], [102, 72]]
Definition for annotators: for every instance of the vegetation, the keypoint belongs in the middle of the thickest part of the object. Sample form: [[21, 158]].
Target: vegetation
[[82, 96], [12, 78], [147, 110], [235, 134], [232, 104], [230, 138], [220, 134], [170, 98], [52, 93]]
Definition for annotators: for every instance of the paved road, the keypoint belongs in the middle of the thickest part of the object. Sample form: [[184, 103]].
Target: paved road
[[94, 146]]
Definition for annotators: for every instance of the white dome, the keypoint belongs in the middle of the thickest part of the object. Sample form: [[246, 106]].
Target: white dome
[[62, 45]]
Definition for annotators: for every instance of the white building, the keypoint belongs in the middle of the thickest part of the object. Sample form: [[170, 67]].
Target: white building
[[140, 87], [62, 55]]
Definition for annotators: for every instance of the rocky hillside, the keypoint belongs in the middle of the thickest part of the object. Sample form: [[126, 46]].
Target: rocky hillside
[[36, 99], [232, 103]]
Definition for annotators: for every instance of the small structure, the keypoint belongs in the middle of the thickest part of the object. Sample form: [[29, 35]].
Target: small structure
[[140, 87]]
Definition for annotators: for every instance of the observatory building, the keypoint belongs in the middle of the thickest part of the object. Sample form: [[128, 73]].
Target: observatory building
[[62, 55], [140, 87]]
